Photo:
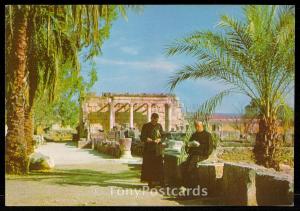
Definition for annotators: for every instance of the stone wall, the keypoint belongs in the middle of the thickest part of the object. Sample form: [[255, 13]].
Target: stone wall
[[210, 177], [172, 174], [274, 189], [238, 183]]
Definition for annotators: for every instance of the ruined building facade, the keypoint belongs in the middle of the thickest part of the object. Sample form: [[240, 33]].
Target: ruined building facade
[[134, 110]]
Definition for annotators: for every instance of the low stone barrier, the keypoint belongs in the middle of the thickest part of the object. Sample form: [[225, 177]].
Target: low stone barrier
[[235, 183], [210, 177], [246, 184], [108, 147], [172, 173], [274, 189], [238, 184], [137, 148]]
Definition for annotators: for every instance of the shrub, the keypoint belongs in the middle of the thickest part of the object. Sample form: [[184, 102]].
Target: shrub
[[284, 155], [216, 140]]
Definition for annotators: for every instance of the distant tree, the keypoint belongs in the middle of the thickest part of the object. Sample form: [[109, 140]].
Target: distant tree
[[65, 107]]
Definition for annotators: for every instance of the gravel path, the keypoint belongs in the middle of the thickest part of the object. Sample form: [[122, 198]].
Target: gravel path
[[82, 177]]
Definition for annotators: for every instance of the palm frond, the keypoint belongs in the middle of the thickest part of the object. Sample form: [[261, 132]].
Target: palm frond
[[237, 31], [255, 56], [285, 113], [122, 11], [206, 109]]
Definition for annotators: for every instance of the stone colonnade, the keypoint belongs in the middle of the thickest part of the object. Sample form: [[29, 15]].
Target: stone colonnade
[[168, 108], [168, 112]]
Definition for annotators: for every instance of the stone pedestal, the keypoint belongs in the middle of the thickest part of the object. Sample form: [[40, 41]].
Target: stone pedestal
[[125, 146]]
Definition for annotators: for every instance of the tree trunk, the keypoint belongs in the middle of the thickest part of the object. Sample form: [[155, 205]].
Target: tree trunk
[[267, 143], [28, 129], [16, 158]]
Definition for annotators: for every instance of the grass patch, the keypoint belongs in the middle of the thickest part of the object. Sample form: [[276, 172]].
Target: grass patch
[[83, 177], [237, 156], [236, 144], [285, 156]]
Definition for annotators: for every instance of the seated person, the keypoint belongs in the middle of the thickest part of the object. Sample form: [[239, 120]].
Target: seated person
[[199, 148]]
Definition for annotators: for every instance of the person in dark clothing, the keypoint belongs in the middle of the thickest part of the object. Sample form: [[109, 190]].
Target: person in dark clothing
[[152, 167], [199, 148]]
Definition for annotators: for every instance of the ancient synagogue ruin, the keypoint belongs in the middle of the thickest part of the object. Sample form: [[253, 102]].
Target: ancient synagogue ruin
[[112, 110]]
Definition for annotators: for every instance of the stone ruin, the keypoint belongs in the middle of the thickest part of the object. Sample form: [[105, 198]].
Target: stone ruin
[[113, 109], [111, 123]]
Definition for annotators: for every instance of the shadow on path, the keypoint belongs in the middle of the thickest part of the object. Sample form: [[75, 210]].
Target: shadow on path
[[85, 177], [70, 143]]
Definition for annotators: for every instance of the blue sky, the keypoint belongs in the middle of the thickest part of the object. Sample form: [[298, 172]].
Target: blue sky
[[133, 58]]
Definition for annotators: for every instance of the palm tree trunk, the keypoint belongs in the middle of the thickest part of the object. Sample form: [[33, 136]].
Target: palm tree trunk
[[16, 158], [266, 143], [28, 129]]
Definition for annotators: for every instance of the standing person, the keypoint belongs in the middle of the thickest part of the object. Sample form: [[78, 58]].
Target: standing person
[[199, 148], [152, 167]]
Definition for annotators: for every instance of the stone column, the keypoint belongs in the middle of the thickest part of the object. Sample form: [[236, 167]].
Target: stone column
[[149, 112], [111, 115], [131, 116], [221, 131], [168, 114]]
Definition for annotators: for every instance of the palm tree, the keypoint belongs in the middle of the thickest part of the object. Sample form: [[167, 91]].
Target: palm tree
[[16, 155], [254, 57], [38, 40]]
